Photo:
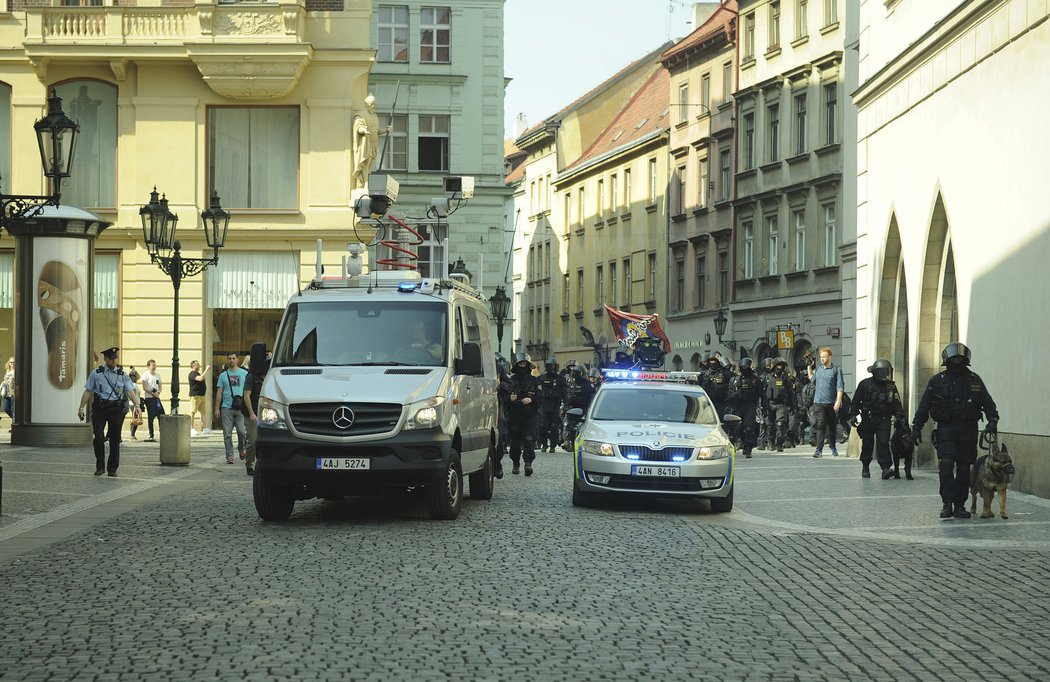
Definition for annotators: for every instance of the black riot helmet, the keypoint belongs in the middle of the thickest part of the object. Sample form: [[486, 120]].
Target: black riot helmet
[[577, 371], [551, 365], [955, 350], [881, 369], [713, 360], [521, 363], [746, 365], [780, 363], [767, 364]]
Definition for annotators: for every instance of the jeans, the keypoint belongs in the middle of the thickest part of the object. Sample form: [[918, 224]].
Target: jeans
[[825, 424], [9, 406], [154, 409], [231, 418], [253, 437]]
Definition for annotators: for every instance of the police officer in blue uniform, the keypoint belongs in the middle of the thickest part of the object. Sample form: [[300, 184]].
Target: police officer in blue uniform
[[107, 393]]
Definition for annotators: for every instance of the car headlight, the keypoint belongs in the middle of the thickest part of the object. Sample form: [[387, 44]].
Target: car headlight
[[717, 452], [425, 414], [597, 447], [272, 414]]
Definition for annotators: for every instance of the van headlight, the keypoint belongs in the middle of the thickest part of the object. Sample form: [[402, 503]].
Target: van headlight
[[272, 414], [597, 447], [718, 452], [425, 414]]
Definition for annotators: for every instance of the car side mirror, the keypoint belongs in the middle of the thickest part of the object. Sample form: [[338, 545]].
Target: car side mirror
[[470, 363], [730, 419], [576, 412]]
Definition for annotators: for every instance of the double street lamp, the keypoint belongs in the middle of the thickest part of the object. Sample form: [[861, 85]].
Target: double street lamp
[[720, 329], [158, 231], [56, 138], [499, 303]]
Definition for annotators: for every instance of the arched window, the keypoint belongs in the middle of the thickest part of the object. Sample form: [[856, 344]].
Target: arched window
[[5, 138], [93, 181], [694, 362], [676, 362]]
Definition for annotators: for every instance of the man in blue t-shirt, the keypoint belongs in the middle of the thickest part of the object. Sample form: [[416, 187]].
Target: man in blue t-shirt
[[828, 388], [229, 405]]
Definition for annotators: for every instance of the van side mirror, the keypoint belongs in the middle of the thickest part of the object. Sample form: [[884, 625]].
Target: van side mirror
[[470, 363]]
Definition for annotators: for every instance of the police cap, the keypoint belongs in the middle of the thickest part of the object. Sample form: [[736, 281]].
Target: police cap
[[110, 352]]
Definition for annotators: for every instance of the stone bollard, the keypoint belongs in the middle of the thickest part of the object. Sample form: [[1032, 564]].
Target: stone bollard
[[174, 439]]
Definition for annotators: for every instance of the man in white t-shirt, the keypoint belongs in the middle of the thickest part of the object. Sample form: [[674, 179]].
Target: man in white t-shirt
[[151, 386]]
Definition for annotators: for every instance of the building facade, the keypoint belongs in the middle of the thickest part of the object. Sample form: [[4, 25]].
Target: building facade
[[438, 82], [702, 68], [953, 238], [794, 248], [253, 101]]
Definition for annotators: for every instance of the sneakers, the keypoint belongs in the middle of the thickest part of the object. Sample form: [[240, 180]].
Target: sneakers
[[193, 432], [151, 439], [528, 472], [229, 460], [516, 469], [961, 513], [834, 452], [241, 454], [816, 454], [946, 511]]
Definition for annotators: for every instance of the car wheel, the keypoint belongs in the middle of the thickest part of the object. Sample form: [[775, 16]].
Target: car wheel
[[272, 502], [722, 505], [581, 498], [446, 496], [483, 482]]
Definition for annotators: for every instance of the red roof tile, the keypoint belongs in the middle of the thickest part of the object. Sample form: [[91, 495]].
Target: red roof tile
[[715, 24]]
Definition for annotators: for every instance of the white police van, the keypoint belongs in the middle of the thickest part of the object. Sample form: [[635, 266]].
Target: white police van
[[378, 382], [653, 433]]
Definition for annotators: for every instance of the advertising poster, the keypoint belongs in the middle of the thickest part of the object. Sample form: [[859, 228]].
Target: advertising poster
[[60, 328]]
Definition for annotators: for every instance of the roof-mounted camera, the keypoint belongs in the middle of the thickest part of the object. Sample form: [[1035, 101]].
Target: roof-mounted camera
[[460, 186], [382, 192]]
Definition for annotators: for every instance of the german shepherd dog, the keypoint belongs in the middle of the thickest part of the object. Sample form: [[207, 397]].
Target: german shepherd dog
[[902, 446], [990, 475]]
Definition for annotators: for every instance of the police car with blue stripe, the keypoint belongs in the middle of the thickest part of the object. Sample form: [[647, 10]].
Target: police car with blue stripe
[[653, 433]]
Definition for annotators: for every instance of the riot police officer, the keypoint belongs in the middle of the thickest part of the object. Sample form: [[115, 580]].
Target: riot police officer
[[551, 395], [502, 398], [876, 403], [766, 423], [745, 394], [108, 391], [579, 394], [715, 380], [780, 398], [521, 414], [955, 399]]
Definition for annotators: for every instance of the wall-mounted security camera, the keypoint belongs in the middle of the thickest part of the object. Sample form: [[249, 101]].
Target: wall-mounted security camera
[[460, 186], [440, 206], [382, 191]]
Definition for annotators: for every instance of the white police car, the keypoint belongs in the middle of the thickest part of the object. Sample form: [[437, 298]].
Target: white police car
[[653, 433]]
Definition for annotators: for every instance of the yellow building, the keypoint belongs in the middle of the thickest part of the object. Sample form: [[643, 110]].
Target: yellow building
[[616, 222], [253, 101]]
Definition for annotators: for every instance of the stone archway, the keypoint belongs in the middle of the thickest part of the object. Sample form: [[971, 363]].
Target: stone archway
[[892, 337], [938, 303]]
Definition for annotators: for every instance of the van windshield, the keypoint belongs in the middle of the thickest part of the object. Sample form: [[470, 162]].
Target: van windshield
[[362, 333]]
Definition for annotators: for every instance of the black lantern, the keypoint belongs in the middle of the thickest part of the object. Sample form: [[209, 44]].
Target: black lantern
[[216, 221], [56, 136], [499, 303], [720, 329]]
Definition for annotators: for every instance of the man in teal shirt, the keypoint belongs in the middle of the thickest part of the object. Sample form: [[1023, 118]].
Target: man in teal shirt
[[827, 401], [229, 405]]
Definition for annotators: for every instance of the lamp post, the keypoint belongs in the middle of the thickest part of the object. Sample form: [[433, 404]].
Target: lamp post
[[720, 329], [499, 304], [56, 139], [158, 231]]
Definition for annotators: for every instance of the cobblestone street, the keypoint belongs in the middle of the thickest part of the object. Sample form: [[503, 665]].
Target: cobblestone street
[[815, 575]]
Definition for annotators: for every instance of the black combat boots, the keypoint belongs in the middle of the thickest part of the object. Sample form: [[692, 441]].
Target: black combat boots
[[946, 511]]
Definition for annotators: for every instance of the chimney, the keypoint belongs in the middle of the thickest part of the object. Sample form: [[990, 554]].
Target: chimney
[[702, 11], [520, 125]]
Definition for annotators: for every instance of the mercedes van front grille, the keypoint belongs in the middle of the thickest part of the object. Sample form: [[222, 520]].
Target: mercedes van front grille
[[408, 370], [299, 372], [344, 419]]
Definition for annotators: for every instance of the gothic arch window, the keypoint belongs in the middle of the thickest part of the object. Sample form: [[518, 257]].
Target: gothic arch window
[[93, 180]]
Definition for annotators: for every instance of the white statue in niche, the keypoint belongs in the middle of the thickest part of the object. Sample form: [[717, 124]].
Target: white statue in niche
[[366, 142]]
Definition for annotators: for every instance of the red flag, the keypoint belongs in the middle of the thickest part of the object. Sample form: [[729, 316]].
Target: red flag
[[629, 327]]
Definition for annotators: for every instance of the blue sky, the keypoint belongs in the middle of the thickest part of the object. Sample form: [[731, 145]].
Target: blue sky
[[556, 50]]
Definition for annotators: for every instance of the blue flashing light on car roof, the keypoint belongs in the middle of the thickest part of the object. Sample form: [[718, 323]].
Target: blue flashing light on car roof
[[650, 375], [407, 286]]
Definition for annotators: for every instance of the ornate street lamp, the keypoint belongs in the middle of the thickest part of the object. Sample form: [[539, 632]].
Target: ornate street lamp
[[56, 138], [158, 231], [499, 303], [720, 329]]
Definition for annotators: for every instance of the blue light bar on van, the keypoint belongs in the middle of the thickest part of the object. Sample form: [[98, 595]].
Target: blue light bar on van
[[650, 375], [407, 286]]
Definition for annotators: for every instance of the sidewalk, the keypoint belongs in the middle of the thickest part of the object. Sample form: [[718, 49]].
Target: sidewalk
[[52, 492]]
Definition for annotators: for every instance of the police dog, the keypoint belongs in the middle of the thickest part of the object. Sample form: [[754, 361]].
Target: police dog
[[902, 446], [991, 474]]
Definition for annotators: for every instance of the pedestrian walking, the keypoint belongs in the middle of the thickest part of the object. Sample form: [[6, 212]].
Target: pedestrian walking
[[136, 422], [151, 387], [106, 395], [521, 413], [198, 383], [828, 387], [502, 400], [551, 395], [955, 399], [876, 405], [229, 406], [745, 395], [7, 389], [258, 366]]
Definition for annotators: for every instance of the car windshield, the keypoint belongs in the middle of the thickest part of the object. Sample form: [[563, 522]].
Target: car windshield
[[338, 333], [685, 407]]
